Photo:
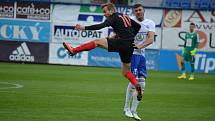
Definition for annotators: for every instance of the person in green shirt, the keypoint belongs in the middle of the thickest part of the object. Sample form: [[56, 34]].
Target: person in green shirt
[[189, 51]]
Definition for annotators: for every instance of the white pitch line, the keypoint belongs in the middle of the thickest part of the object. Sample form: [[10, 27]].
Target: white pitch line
[[14, 86]]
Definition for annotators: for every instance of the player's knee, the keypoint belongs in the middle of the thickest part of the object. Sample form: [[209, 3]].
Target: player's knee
[[101, 43], [97, 42], [125, 69], [131, 86], [142, 79], [126, 66], [124, 73]]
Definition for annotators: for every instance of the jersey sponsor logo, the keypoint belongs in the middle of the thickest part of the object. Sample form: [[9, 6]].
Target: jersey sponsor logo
[[140, 36], [90, 14], [69, 33], [22, 53]]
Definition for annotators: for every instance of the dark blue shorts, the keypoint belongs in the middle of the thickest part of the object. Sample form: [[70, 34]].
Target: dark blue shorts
[[138, 66]]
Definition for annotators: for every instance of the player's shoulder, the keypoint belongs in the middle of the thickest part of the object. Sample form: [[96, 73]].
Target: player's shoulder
[[196, 33], [114, 15], [133, 18], [112, 18], [187, 33], [117, 14]]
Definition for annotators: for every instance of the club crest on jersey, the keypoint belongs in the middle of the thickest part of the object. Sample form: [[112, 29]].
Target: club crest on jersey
[[140, 36]]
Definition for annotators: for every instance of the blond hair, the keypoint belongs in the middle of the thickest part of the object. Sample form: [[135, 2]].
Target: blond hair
[[110, 6]]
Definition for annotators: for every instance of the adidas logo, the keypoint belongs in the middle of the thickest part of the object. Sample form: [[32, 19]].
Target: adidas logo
[[22, 53]]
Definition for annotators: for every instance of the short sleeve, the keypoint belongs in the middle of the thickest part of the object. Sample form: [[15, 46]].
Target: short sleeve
[[151, 26]]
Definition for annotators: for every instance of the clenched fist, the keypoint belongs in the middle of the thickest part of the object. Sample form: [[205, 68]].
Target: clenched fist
[[79, 27]]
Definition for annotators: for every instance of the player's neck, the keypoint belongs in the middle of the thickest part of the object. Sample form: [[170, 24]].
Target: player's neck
[[140, 19], [191, 31]]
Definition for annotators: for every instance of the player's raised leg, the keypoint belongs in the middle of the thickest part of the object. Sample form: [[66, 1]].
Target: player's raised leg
[[86, 46]]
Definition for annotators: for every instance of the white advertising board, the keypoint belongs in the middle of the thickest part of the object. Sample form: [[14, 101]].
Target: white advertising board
[[59, 55], [176, 24]]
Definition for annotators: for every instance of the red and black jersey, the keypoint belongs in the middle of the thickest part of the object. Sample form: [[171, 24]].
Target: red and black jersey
[[123, 26]]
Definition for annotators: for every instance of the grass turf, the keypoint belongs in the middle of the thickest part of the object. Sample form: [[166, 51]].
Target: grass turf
[[72, 93]]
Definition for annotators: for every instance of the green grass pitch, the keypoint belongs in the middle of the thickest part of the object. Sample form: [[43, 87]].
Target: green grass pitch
[[73, 93]]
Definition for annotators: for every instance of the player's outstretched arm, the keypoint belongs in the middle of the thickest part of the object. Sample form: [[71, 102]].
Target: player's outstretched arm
[[93, 27], [79, 27]]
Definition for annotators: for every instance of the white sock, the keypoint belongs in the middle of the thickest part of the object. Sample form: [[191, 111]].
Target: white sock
[[135, 102], [129, 94]]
